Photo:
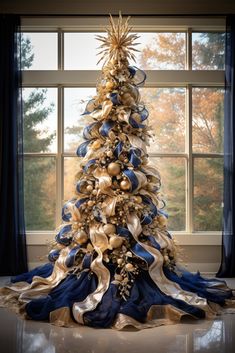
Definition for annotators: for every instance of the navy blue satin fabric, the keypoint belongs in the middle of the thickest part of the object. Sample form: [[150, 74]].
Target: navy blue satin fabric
[[13, 255], [227, 267], [143, 295]]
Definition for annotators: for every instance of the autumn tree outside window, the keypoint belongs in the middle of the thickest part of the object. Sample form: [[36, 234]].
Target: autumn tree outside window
[[184, 62]]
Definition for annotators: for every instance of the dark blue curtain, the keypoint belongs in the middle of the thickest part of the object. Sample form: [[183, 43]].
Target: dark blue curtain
[[13, 256], [227, 268]]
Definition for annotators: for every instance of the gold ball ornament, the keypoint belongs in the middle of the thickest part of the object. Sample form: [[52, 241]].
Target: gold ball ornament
[[138, 199], [114, 169], [115, 241], [96, 144], [129, 267], [90, 203], [89, 188], [109, 153], [109, 228], [109, 85], [81, 237], [125, 185], [162, 220]]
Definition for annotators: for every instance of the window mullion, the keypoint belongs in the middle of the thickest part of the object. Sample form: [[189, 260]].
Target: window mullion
[[189, 173], [59, 160], [189, 49]]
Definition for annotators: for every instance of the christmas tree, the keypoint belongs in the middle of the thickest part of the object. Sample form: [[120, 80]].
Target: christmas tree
[[114, 262]]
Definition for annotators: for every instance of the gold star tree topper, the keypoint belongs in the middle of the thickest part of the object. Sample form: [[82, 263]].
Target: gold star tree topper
[[119, 44]]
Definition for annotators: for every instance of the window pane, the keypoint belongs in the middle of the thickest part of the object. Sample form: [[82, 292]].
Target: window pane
[[80, 51], [39, 192], [166, 108], [39, 51], [160, 51], [208, 190], [208, 50], [40, 119], [172, 171], [75, 100], [208, 119], [71, 167]]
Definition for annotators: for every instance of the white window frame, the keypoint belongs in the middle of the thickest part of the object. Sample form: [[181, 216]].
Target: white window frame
[[187, 78]]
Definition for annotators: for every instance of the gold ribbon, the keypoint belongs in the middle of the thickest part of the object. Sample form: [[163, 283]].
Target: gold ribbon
[[105, 181], [101, 114], [109, 205], [100, 243], [136, 142]]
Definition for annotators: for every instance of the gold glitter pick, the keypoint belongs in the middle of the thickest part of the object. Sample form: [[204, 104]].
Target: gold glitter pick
[[119, 44]]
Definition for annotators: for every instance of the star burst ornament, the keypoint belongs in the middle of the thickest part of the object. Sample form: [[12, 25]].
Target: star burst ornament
[[119, 45]]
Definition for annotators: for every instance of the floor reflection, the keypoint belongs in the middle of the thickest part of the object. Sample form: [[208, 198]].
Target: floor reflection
[[19, 336]]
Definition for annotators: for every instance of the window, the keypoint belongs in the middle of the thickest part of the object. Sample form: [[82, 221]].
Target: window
[[184, 62]]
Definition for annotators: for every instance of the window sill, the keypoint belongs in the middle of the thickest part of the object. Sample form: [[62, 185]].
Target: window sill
[[183, 238]]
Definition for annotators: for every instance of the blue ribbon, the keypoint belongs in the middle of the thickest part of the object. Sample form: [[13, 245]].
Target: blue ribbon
[[148, 218], [61, 236], [90, 163], [87, 131], [114, 98], [79, 186], [134, 124], [133, 157], [106, 127], [143, 113], [123, 232], [80, 202], [153, 242], [53, 255], [134, 70], [139, 251], [71, 257], [82, 149], [118, 149], [87, 260], [90, 107], [132, 178], [66, 216]]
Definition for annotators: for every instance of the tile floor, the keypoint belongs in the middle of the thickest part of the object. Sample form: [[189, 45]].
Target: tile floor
[[20, 336]]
